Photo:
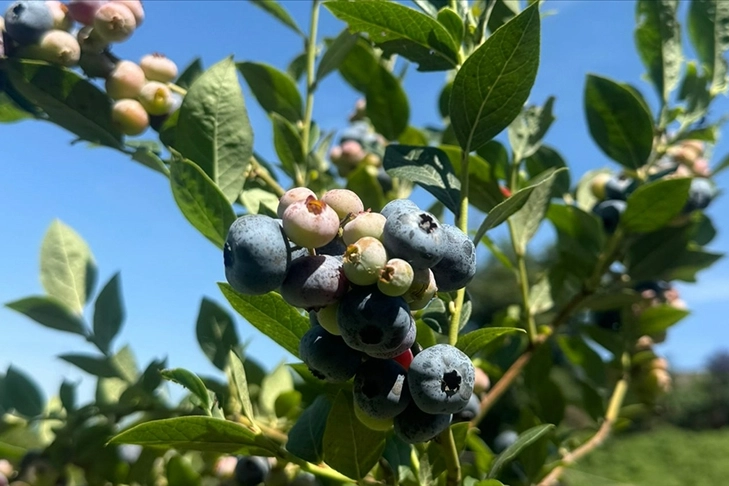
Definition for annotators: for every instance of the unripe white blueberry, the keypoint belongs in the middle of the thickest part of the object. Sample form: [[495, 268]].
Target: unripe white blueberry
[[130, 117], [395, 278], [364, 224], [291, 196], [125, 81], [310, 223], [115, 22], [344, 202], [61, 18], [363, 261], [157, 67], [136, 7], [55, 46], [156, 98]]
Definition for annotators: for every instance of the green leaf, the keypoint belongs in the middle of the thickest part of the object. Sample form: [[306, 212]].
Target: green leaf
[[437, 452], [658, 39], [580, 354], [363, 181], [657, 319], [190, 381], [694, 92], [188, 76], [483, 188], [349, 446], [525, 439], [653, 254], [359, 64], [529, 128], [180, 472], [22, 393], [386, 102], [653, 205], [708, 29], [108, 313], [288, 144], [547, 158], [277, 11], [69, 100], [493, 84], [307, 434], [9, 111], [275, 91], [213, 129], [49, 312], [611, 300], [453, 23], [335, 54], [204, 434], [690, 262], [401, 30], [216, 334], [721, 166], [427, 166], [277, 382], [474, 341], [619, 123], [125, 362], [237, 378], [202, 203], [100, 366], [68, 271], [271, 315], [149, 159], [67, 394], [540, 296]]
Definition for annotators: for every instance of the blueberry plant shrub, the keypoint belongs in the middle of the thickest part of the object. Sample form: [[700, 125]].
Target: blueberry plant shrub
[[392, 381]]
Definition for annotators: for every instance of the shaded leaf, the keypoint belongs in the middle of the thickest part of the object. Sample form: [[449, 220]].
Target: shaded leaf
[[49, 312], [275, 91], [525, 439], [386, 102], [335, 54], [108, 313], [474, 341], [653, 205], [22, 393], [238, 381], [188, 76], [306, 436], [190, 381], [529, 128], [288, 144], [100, 366], [657, 319], [216, 334]]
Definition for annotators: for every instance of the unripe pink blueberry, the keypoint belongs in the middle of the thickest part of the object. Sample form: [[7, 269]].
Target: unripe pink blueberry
[[395, 278], [422, 290], [310, 223], [129, 117], [157, 67], [84, 11], [156, 98], [335, 154], [136, 7], [363, 261], [327, 317], [352, 152], [344, 202], [364, 224], [291, 196], [115, 22], [55, 46], [481, 382], [61, 17], [125, 81]]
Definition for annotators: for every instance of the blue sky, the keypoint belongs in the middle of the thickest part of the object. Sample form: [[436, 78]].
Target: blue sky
[[127, 215]]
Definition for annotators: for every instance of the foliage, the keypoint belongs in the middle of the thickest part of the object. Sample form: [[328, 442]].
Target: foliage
[[588, 312]]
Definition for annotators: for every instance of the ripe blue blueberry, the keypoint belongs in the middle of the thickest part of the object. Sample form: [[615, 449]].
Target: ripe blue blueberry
[[504, 440], [256, 254], [314, 281], [335, 248], [251, 470], [327, 356], [619, 187], [471, 410], [414, 426], [608, 319], [397, 206], [26, 21], [441, 379], [380, 388], [458, 265], [375, 323], [700, 195], [609, 212], [416, 237]]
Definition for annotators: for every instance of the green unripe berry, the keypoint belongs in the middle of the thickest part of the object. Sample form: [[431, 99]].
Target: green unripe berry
[[115, 22], [364, 224], [597, 185], [396, 277], [344, 202], [157, 67], [327, 318], [370, 422], [363, 261], [156, 98], [125, 81], [56, 47], [129, 117]]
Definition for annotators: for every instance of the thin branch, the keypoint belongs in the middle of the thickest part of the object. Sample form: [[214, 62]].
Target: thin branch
[[453, 465]]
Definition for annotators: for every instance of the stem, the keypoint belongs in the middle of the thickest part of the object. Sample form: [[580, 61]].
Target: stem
[[177, 89], [616, 401], [264, 175], [524, 285], [415, 465], [453, 465], [310, 86], [462, 223]]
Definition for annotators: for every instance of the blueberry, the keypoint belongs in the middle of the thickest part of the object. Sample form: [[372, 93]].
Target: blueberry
[[156, 98], [374, 323], [129, 117], [416, 237], [441, 379], [310, 223], [458, 266], [336, 248], [327, 356], [314, 281], [385, 180], [700, 195], [364, 224], [414, 425], [422, 290], [125, 81], [609, 211], [256, 254], [304, 479], [27, 21], [504, 440], [405, 358], [397, 206], [471, 410], [54, 46], [364, 260], [115, 22], [345, 203], [3, 480], [251, 470], [619, 187], [609, 319], [291, 196], [158, 67], [381, 389], [84, 11], [395, 278]]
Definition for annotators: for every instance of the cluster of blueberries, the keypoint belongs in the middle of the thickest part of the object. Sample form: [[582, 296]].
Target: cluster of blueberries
[[45, 30], [360, 274], [613, 192], [360, 145]]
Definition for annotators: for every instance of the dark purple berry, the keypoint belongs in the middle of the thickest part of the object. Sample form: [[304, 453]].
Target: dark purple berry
[[314, 281], [380, 388], [327, 356]]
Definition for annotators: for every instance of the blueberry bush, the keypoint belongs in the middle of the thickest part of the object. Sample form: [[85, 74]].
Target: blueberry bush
[[392, 380]]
